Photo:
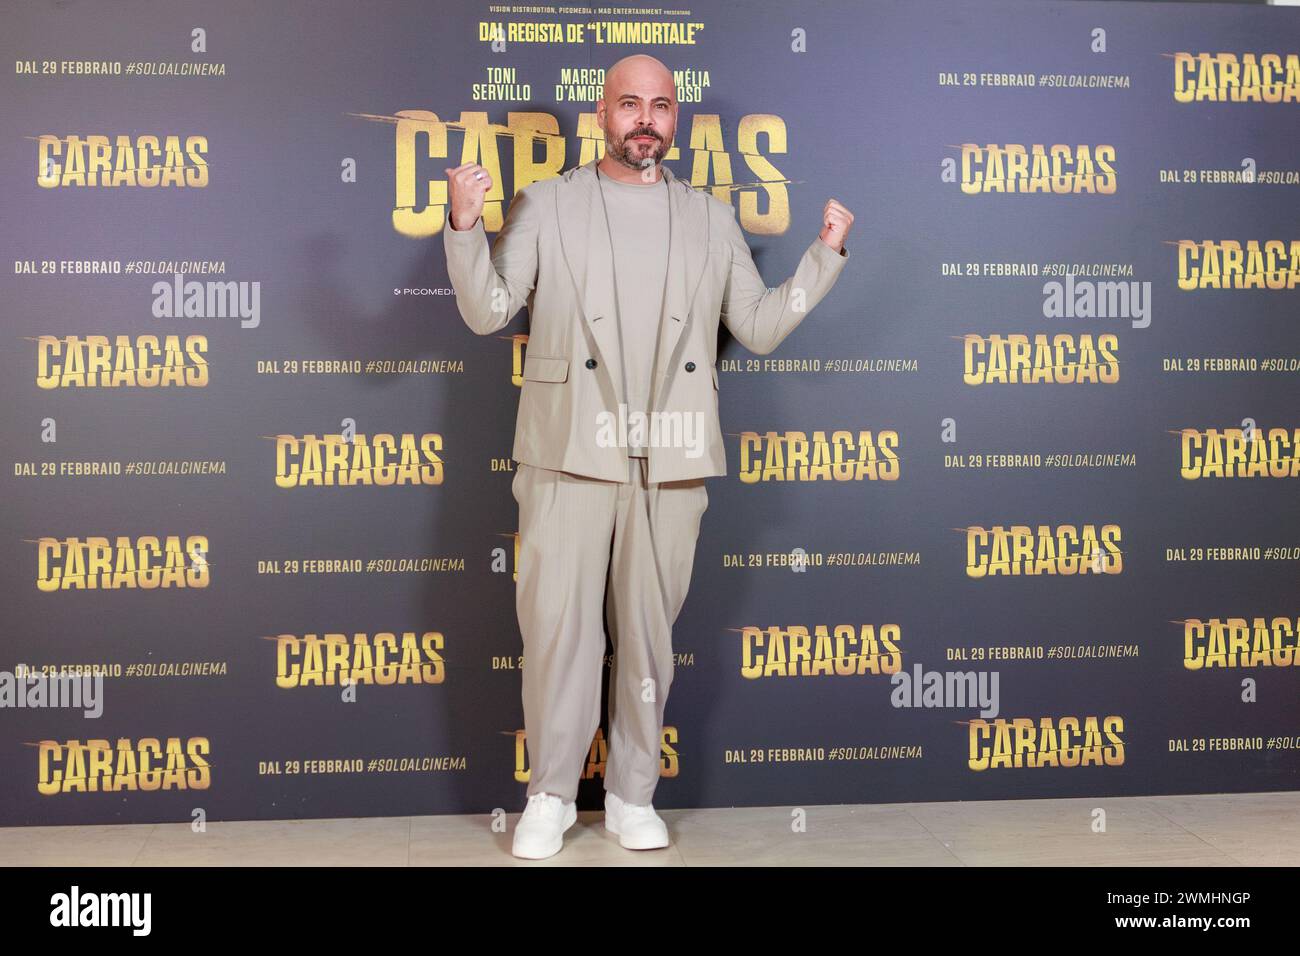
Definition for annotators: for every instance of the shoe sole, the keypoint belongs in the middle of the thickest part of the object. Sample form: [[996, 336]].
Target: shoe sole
[[570, 818], [628, 844]]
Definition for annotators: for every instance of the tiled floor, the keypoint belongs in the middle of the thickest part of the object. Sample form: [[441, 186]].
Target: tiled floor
[[1204, 830]]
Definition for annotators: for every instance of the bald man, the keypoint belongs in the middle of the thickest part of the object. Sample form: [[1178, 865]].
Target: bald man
[[595, 532]]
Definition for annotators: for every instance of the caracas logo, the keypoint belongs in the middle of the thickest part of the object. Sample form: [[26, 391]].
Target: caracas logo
[[1233, 78], [843, 456], [1019, 360], [1236, 642], [337, 659], [843, 650], [352, 459], [1064, 549], [1240, 453], [1272, 264], [420, 205], [100, 564], [518, 348], [1046, 742], [599, 753], [1014, 168], [143, 361], [96, 160], [96, 766]]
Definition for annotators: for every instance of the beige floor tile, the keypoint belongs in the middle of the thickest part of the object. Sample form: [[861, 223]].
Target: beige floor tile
[[112, 845], [1059, 832], [1199, 830], [873, 835], [1100, 849], [358, 841], [470, 841], [1028, 819], [1258, 829]]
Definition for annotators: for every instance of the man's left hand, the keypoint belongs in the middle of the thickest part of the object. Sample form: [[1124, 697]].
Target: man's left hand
[[836, 223]]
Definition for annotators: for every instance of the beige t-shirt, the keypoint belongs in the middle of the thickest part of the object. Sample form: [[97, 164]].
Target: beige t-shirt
[[638, 225]]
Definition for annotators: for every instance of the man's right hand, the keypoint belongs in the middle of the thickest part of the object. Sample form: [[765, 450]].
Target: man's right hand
[[468, 183]]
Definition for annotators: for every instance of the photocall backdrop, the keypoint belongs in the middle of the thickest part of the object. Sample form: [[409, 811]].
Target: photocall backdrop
[[1044, 431]]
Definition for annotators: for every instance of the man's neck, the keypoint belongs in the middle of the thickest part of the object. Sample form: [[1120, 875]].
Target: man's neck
[[611, 168]]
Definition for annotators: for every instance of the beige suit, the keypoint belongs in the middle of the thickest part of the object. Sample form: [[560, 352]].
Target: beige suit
[[603, 535], [553, 254]]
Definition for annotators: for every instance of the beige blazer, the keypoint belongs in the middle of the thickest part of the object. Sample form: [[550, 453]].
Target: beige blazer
[[553, 253]]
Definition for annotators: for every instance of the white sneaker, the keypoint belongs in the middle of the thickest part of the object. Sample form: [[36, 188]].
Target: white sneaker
[[540, 831], [637, 825]]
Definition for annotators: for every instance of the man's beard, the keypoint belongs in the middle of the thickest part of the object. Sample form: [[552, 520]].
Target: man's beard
[[630, 155]]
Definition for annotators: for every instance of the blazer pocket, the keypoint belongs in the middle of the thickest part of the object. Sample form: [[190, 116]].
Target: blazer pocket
[[540, 368], [720, 247]]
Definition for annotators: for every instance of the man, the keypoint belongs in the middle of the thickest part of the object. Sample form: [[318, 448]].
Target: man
[[626, 271]]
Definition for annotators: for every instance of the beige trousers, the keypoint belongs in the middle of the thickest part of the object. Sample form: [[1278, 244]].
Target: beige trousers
[[585, 546]]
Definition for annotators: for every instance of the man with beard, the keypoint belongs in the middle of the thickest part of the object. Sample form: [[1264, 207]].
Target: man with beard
[[626, 271]]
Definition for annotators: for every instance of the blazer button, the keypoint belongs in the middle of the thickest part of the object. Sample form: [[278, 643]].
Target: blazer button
[[690, 366], [591, 363]]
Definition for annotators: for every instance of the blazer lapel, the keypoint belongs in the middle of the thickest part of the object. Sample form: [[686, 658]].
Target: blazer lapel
[[688, 246], [585, 244]]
